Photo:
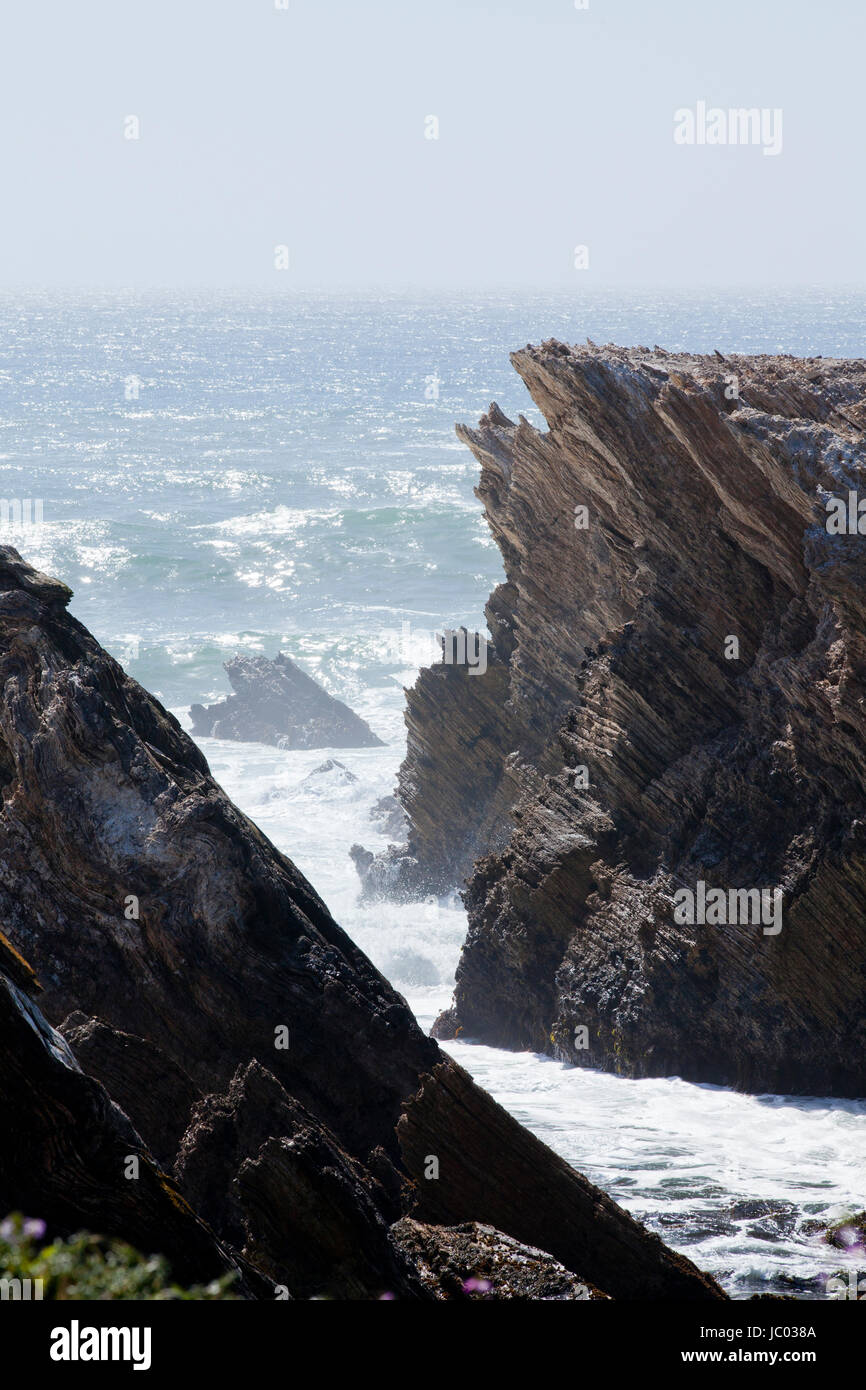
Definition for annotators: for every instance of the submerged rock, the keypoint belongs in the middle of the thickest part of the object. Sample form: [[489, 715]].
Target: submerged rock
[[847, 1234], [390, 875], [208, 986], [678, 710], [333, 772], [276, 702]]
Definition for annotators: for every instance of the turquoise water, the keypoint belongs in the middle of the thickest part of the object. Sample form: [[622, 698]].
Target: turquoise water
[[230, 472]]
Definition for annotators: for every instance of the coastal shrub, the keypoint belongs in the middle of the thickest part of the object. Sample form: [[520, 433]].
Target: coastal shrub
[[87, 1267]]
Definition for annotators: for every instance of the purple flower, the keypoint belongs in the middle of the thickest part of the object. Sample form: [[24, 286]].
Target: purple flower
[[34, 1228], [387, 1297], [474, 1285], [849, 1235]]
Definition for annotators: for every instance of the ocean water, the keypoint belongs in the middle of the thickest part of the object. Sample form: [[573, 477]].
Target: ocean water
[[231, 472]]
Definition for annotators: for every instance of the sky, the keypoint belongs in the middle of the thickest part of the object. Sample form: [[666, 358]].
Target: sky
[[308, 128]]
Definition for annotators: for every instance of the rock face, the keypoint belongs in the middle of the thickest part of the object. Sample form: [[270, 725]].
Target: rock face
[[126, 1066], [66, 1146], [276, 702], [678, 701], [254, 1048]]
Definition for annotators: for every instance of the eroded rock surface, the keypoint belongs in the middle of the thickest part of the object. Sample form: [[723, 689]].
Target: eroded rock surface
[[477, 1261], [139, 1076], [674, 503]]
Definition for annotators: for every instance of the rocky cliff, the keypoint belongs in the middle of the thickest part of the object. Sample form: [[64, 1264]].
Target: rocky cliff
[[216, 1023], [661, 778]]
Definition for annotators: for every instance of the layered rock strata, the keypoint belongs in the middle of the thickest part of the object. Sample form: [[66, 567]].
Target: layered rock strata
[[678, 711]]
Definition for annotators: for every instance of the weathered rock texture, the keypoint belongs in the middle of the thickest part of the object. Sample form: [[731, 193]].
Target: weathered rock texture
[[455, 783], [207, 985], [705, 482], [276, 702], [126, 1066], [477, 1261]]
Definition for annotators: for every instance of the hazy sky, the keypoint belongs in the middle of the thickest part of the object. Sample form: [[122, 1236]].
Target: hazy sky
[[305, 127]]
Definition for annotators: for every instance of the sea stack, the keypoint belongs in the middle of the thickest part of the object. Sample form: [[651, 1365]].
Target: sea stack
[[276, 702]]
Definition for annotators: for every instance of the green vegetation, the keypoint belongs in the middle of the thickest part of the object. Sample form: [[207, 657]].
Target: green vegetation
[[85, 1266]]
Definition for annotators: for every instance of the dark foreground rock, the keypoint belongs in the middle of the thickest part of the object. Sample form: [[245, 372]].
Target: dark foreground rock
[[679, 699], [206, 984], [476, 1261], [276, 702], [67, 1149]]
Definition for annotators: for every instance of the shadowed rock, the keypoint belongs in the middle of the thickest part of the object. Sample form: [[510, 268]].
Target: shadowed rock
[[139, 1076], [275, 1182], [276, 702], [454, 1121], [66, 1150]]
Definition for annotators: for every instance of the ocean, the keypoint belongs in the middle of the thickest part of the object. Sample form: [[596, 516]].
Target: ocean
[[231, 472]]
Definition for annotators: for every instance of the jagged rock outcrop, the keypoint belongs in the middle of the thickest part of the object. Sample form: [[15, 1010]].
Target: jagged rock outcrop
[[276, 702], [191, 961], [274, 1181], [685, 705], [126, 1066]]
